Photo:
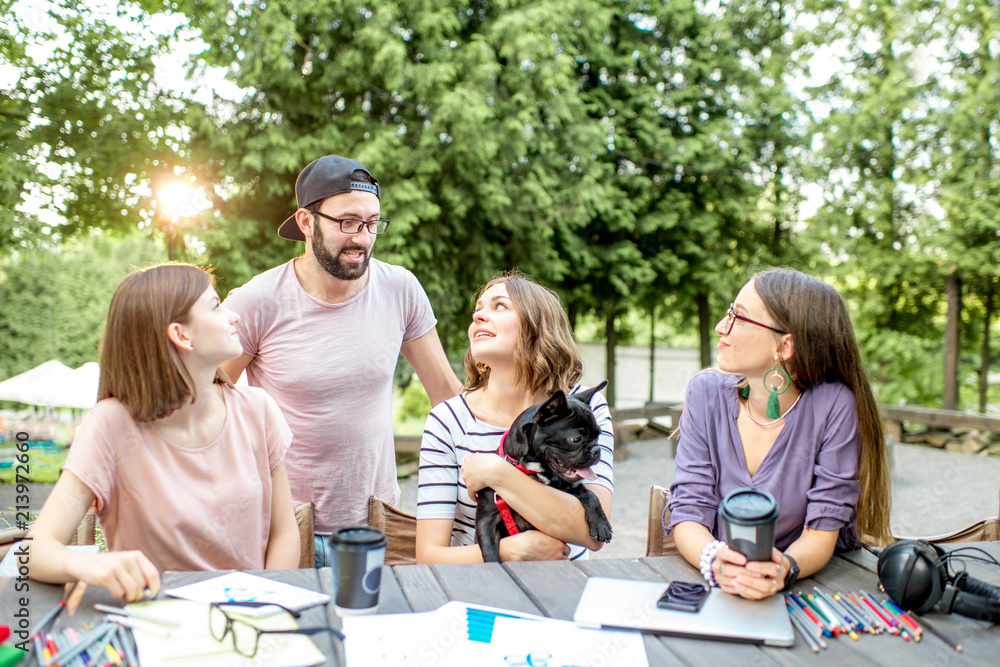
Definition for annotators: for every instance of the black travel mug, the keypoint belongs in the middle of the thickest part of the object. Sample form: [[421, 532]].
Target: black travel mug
[[358, 555], [748, 519]]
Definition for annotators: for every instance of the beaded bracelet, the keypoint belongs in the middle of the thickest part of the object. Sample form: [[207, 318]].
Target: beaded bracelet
[[707, 558]]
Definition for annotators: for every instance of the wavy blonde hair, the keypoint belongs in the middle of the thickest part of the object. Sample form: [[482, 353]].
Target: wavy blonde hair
[[546, 357]]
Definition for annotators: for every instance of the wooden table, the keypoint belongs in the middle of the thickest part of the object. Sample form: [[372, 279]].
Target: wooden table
[[553, 588], [41, 598]]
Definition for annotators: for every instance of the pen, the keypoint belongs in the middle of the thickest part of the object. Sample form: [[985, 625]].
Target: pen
[[121, 611]]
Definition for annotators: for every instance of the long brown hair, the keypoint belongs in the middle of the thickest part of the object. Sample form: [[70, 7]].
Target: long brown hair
[[827, 351], [139, 365], [546, 357]]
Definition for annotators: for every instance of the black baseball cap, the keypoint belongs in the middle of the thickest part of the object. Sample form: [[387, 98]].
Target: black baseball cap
[[329, 175]]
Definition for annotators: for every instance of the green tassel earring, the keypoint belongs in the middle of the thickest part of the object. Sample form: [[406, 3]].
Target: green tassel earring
[[776, 382]]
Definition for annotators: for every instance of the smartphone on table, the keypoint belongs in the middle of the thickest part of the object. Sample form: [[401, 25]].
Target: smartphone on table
[[683, 596]]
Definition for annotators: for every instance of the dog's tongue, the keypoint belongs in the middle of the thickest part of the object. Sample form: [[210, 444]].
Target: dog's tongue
[[584, 473]]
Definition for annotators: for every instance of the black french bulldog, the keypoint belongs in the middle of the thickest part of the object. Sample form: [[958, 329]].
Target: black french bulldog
[[555, 442]]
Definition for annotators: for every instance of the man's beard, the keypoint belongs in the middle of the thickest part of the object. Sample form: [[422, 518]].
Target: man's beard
[[332, 264]]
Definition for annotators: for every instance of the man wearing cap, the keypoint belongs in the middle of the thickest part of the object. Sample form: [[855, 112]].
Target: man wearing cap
[[322, 334]]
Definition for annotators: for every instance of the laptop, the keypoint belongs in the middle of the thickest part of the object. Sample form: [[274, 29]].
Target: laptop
[[626, 604]]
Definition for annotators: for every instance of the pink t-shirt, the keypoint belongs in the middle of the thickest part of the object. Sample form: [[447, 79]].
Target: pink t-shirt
[[330, 369], [205, 508]]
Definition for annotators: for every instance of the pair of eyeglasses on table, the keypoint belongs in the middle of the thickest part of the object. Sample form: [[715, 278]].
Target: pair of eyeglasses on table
[[246, 636]]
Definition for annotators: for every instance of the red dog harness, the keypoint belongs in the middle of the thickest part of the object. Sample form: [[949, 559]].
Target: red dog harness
[[502, 506]]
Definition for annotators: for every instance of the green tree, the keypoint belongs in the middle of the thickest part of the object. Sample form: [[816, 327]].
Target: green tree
[[873, 222], [86, 126], [55, 301], [966, 156]]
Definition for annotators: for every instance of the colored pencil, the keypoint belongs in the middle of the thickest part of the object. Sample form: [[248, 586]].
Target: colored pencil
[[797, 624], [904, 617], [813, 617], [848, 622], [937, 633], [869, 618]]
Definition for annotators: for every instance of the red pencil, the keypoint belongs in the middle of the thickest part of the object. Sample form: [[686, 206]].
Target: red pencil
[[889, 625]]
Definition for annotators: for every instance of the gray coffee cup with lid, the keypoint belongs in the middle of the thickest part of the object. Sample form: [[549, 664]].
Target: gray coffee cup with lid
[[358, 556], [748, 519]]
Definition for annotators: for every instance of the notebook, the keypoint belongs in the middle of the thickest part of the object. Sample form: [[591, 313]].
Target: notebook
[[621, 603]]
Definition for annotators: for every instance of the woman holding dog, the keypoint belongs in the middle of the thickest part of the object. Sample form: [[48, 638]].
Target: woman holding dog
[[521, 350], [789, 410], [187, 470]]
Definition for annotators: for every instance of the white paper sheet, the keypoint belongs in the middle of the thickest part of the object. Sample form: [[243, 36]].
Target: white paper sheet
[[459, 634], [243, 587], [191, 643]]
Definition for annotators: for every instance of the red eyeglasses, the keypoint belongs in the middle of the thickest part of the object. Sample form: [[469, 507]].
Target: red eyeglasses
[[732, 316]]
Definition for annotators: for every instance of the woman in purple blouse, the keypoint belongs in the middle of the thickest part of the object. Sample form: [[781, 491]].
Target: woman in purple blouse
[[786, 350]]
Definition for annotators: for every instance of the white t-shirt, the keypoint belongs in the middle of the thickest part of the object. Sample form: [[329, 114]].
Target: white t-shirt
[[451, 433], [330, 368]]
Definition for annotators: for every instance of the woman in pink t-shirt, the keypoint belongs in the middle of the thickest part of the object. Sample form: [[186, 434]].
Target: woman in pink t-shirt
[[187, 471]]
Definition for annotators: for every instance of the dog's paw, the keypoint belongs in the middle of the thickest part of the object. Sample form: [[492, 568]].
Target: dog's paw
[[601, 531]]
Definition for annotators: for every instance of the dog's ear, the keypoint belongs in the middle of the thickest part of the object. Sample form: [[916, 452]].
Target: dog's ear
[[517, 447], [585, 396], [554, 406]]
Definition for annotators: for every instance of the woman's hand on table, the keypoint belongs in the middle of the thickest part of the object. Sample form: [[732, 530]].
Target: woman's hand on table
[[753, 580], [127, 575]]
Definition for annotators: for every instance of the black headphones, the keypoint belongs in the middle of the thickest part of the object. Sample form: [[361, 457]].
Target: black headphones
[[914, 573]]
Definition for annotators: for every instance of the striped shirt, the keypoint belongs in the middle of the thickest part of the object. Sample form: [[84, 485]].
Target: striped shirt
[[451, 433]]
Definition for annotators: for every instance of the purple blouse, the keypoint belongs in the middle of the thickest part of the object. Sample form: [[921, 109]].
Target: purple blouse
[[811, 470]]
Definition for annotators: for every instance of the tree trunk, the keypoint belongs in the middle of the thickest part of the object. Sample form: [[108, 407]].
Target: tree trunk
[[652, 349], [572, 312], [984, 364], [704, 327], [952, 336], [609, 356]]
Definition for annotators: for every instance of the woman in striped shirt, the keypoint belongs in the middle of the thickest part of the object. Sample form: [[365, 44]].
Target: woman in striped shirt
[[521, 350]]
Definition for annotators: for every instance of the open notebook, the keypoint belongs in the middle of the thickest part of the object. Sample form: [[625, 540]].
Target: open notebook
[[621, 603]]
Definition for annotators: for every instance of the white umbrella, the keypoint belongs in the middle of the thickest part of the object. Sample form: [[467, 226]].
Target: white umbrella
[[54, 384], [80, 388]]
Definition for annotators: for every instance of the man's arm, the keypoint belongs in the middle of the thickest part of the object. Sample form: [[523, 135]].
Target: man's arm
[[427, 357], [234, 367]]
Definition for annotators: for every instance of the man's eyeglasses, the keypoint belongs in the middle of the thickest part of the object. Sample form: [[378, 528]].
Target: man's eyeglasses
[[246, 637], [732, 316], [352, 226]]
